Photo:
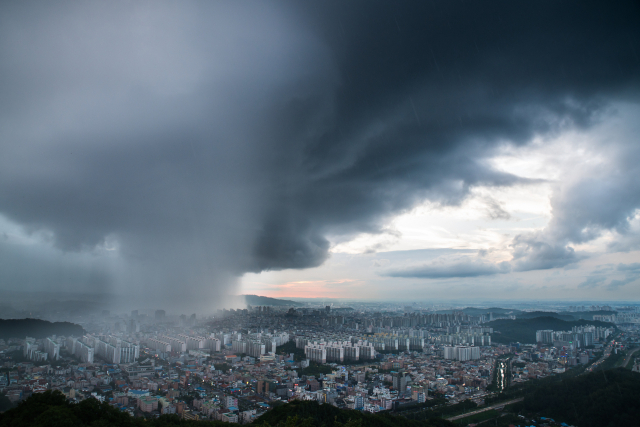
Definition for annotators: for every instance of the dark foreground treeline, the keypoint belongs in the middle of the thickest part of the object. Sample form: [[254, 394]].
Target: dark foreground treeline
[[312, 414], [35, 328], [599, 399], [51, 409]]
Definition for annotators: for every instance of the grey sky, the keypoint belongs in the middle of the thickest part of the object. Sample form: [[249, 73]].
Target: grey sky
[[166, 149]]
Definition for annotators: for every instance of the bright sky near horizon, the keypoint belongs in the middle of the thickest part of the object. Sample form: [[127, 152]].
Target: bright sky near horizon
[[482, 226]]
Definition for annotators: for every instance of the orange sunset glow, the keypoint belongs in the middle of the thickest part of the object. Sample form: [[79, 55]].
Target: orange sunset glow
[[341, 288]]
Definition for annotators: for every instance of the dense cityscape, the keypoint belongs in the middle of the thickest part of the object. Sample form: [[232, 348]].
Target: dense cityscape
[[238, 364], [319, 213]]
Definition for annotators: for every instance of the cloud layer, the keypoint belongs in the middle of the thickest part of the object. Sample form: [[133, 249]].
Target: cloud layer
[[202, 141], [461, 268]]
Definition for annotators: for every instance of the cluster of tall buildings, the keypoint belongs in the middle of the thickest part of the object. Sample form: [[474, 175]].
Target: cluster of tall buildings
[[32, 351], [259, 344], [439, 320], [159, 345], [177, 344], [461, 353], [337, 351], [377, 342], [80, 350], [620, 317], [464, 339], [112, 349], [52, 348], [579, 336], [396, 340], [49, 349], [180, 343]]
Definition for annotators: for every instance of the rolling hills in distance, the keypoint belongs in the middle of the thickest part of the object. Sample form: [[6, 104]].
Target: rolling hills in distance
[[36, 328]]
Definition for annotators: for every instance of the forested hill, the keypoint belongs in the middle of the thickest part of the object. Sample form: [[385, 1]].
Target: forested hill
[[564, 315], [475, 311], [598, 399], [534, 314], [524, 330], [52, 409], [312, 414], [36, 328], [587, 314]]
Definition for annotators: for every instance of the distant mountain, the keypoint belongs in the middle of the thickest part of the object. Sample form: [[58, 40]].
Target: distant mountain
[[586, 314], [524, 330], [475, 311], [534, 314], [258, 300], [497, 311], [36, 328]]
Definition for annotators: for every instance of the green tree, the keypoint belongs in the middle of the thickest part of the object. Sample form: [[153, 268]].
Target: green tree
[[57, 416], [5, 403]]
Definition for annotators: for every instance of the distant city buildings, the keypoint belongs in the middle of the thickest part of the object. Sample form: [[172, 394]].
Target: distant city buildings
[[52, 348], [373, 360], [462, 353], [578, 337]]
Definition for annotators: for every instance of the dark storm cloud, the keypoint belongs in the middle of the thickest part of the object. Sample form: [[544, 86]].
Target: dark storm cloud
[[459, 268], [426, 95], [212, 139], [22, 268]]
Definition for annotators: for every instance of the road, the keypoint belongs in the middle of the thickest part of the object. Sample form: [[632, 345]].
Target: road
[[488, 408], [606, 353]]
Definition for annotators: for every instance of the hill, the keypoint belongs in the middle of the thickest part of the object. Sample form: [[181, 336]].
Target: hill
[[598, 399], [534, 314], [52, 409], [475, 311], [586, 314], [259, 300], [524, 330], [312, 414], [36, 328]]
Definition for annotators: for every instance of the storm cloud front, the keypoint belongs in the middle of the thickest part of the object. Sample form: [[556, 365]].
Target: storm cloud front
[[161, 150]]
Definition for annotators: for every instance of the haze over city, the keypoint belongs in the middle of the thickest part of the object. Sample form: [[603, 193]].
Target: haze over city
[[177, 153]]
